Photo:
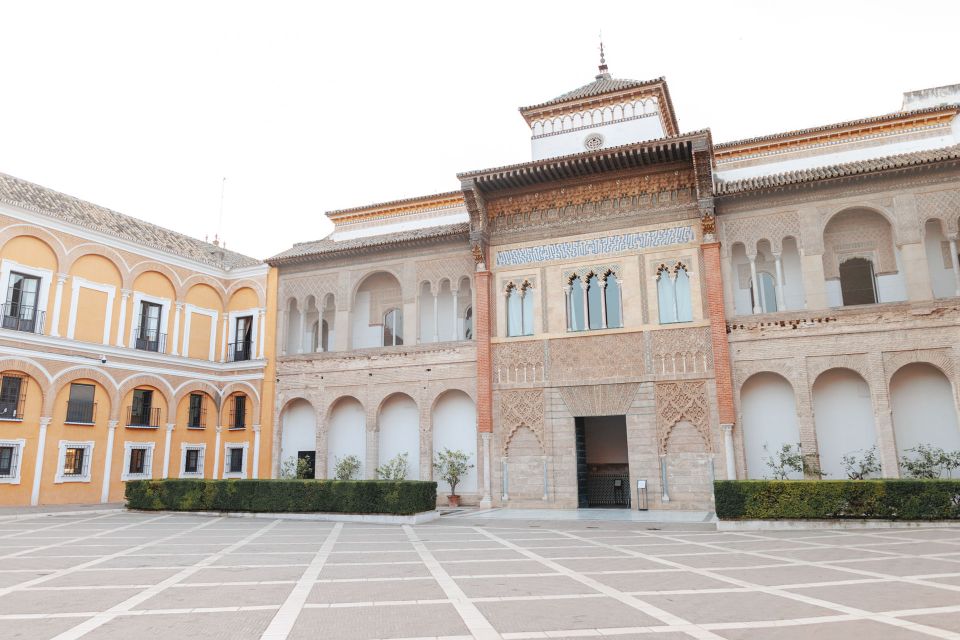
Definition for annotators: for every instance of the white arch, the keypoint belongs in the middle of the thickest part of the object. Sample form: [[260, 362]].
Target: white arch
[[347, 433], [924, 411], [768, 410], [843, 413], [455, 427], [399, 432]]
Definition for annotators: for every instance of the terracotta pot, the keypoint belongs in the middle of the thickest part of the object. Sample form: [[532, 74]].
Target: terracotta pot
[[453, 501]]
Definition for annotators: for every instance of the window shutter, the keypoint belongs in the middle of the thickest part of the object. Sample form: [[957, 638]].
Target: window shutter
[[86, 461], [200, 453], [14, 460], [148, 462]]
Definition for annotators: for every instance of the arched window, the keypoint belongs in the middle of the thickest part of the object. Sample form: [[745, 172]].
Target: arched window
[[468, 324], [673, 294], [393, 328], [612, 300], [314, 336], [519, 310], [324, 335], [858, 284], [594, 302], [576, 313], [767, 291]]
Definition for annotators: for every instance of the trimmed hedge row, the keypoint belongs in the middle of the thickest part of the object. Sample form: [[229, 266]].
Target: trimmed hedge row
[[283, 496], [829, 499]]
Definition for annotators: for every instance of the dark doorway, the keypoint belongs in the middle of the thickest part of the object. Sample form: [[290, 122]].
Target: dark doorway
[[307, 468], [858, 284], [603, 470]]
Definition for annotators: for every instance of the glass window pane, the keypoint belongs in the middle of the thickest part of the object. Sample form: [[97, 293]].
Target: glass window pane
[[666, 301], [6, 461], [577, 312], [682, 293], [613, 302], [528, 297], [514, 313], [594, 303]]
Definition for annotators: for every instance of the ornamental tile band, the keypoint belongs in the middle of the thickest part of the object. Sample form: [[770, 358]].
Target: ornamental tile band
[[595, 246]]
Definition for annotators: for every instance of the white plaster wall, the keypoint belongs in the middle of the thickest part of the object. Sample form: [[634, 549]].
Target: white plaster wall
[[445, 315], [793, 295], [399, 425], [741, 297], [941, 278], [769, 416], [843, 413], [892, 287], [614, 134], [347, 435], [293, 331], [834, 293], [299, 429], [364, 335], [455, 427], [924, 411], [426, 314]]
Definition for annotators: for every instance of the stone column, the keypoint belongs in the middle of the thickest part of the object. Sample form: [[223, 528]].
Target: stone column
[[620, 300], [175, 350], [781, 305], [718, 332], [664, 492], [255, 471], [121, 325], [108, 463], [754, 284], [216, 454], [320, 467], [486, 501], [262, 333], [917, 271], [38, 467], [729, 453], [955, 262], [586, 306], [436, 318], [57, 302], [603, 303], [482, 332], [566, 295], [165, 473], [456, 314]]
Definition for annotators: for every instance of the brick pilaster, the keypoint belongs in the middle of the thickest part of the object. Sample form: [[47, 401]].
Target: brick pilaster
[[718, 331], [484, 329]]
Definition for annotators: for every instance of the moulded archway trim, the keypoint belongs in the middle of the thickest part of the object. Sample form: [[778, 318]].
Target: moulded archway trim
[[389, 396], [245, 388], [335, 402], [93, 249], [44, 236], [245, 284], [870, 207], [145, 380], [103, 378], [380, 269], [149, 265], [442, 392], [197, 386], [40, 375], [200, 278]]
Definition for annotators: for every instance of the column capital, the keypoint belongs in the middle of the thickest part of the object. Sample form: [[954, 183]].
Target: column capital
[[62, 277], [112, 424], [219, 429], [776, 254], [485, 436], [179, 304], [125, 293], [256, 428], [45, 422], [726, 428], [170, 427], [752, 257]]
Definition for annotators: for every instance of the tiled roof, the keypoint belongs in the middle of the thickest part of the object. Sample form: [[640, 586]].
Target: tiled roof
[[603, 83], [916, 158], [307, 250], [33, 197]]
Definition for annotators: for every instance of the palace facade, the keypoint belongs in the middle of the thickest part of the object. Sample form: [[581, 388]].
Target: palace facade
[[127, 351]]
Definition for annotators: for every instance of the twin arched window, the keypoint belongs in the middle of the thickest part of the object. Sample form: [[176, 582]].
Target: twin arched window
[[393, 328], [594, 302], [519, 309], [673, 294]]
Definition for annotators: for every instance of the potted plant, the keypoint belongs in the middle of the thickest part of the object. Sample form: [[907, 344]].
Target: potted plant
[[451, 466]]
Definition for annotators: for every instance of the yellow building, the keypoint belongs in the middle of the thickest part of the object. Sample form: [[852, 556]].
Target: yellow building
[[127, 351]]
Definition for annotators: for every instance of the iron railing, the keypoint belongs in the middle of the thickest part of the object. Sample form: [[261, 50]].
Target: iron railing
[[238, 419], [240, 351], [21, 318], [81, 412], [146, 342], [12, 408], [197, 419], [608, 489], [149, 417]]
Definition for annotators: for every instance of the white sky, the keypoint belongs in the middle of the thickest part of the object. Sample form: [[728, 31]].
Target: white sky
[[313, 106]]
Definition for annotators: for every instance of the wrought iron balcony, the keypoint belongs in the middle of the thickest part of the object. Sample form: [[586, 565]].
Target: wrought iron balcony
[[238, 419], [240, 351], [197, 419], [144, 418], [81, 412], [21, 318], [147, 342]]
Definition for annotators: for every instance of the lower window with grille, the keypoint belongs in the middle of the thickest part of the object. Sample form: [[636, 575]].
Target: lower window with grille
[[11, 452], [74, 462], [192, 465], [137, 461], [235, 461]]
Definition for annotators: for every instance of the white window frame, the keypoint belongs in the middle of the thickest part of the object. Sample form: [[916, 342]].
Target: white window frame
[[43, 291], [201, 461], [80, 283], [188, 311], [242, 475], [87, 461], [18, 445], [128, 447], [255, 323], [164, 316]]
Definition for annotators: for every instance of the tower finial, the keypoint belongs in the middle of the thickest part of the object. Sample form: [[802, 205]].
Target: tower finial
[[603, 61]]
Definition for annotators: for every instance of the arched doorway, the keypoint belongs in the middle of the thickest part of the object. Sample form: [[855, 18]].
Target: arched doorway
[[843, 413], [298, 439], [399, 425], [769, 415], [923, 406]]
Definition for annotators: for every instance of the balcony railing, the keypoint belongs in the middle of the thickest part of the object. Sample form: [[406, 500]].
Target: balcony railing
[[146, 342], [240, 351], [81, 412], [238, 419], [21, 318], [143, 417], [197, 419]]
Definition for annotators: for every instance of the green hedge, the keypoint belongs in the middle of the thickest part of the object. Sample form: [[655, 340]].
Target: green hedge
[[283, 496], [820, 499]]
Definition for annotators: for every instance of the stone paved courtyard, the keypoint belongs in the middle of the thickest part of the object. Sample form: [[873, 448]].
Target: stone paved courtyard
[[143, 576]]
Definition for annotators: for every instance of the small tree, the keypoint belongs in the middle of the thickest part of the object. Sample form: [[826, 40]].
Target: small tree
[[451, 466], [347, 468], [859, 467], [929, 463], [791, 459], [394, 469], [294, 467]]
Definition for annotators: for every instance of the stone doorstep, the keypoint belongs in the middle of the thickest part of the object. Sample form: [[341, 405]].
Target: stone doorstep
[[793, 525], [365, 518]]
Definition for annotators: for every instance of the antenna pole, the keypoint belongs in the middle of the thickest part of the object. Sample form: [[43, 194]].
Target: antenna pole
[[223, 187]]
